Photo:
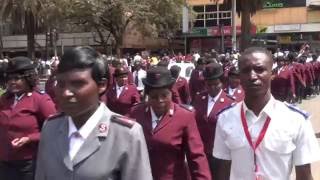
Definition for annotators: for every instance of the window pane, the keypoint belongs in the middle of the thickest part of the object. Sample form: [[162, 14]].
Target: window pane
[[200, 16], [198, 8], [225, 7], [211, 8], [211, 23], [226, 22], [209, 16], [199, 23]]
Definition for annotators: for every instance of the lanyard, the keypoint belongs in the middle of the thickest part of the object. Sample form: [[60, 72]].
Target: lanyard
[[248, 136]]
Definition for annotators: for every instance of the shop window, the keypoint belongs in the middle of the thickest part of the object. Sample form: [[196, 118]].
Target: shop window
[[212, 15]]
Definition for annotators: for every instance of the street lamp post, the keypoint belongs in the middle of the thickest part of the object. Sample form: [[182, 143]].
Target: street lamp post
[[234, 27]]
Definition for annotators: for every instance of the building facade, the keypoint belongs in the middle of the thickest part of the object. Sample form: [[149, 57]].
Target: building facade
[[281, 23]]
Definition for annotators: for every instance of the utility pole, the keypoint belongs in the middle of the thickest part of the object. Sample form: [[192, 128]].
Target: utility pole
[[185, 24], [234, 26]]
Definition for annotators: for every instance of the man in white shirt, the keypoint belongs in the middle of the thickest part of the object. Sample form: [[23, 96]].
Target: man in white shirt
[[138, 75], [88, 141], [262, 138]]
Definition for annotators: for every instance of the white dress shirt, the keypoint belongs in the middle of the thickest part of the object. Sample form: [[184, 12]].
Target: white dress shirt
[[141, 74], [119, 90], [231, 91], [289, 141], [211, 102], [78, 136], [154, 119]]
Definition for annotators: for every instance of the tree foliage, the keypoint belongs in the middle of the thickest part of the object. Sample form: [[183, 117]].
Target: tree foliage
[[24, 16], [246, 8], [150, 17]]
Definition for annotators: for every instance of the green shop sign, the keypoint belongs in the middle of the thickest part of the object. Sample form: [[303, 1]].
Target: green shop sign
[[269, 4], [283, 3], [199, 32]]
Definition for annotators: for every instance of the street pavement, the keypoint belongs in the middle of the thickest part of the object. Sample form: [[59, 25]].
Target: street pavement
[[312, 106]]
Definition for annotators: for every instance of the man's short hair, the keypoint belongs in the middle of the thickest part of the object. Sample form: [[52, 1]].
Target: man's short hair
[[83, 58], [254, 49]]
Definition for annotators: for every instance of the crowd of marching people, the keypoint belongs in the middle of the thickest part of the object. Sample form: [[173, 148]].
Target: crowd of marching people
[[168, 117]]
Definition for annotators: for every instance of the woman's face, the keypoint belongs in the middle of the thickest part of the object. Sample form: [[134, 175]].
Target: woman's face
[[160, 100], [17, 84]]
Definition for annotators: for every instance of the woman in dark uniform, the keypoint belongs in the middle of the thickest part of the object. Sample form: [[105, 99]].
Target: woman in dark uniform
[[22, 113], [170, 130]]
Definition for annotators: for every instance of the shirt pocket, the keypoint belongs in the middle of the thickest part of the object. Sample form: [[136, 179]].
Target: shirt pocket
[[280, 146], [235, 142]]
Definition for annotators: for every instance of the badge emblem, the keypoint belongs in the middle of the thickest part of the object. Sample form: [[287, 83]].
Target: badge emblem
[[103, 128]]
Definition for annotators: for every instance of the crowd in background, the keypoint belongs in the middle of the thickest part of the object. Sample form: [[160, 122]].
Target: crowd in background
[[152, 89]]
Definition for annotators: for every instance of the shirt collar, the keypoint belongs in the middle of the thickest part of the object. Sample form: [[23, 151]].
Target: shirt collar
[[18, 98], [214, 99], [118, 87], [90, 124], [154, 117], [267, 109]]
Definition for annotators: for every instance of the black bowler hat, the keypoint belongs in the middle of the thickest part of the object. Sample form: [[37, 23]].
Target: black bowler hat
[[20, 64], [158, 77], [212, 71], [120, 72], [234, 71]]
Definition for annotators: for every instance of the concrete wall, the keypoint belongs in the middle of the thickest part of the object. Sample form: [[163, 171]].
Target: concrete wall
[[280, 16]]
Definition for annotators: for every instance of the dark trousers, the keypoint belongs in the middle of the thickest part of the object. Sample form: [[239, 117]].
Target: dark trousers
[[213, 165], [17, 170]]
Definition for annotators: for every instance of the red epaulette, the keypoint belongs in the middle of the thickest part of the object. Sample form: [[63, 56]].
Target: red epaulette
[[125, 121]]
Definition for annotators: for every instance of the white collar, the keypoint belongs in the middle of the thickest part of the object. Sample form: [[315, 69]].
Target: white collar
[[90, 124], [18, 98], [154, 117], [118, 87], [267, 109], [214, 99]]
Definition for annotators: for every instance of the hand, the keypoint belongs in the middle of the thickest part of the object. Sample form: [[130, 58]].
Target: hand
[[19, 142]]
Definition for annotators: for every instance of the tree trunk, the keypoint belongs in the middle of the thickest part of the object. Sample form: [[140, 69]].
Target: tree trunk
[[30, 27], [245, 26], [118, 45], [1, 43]]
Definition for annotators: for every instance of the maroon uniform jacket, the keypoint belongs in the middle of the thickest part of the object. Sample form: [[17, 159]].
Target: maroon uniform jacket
[[21, 120], [283, 83], [207, 125], [238, 94], [174, 138], [128, 97], [298, 73], [183, 89], [309, 75], [196, 83]]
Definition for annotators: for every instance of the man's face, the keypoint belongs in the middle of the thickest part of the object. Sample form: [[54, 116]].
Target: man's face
[[17, 84], [255, 74], [77, 93], [160, 100], [213, 87]]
